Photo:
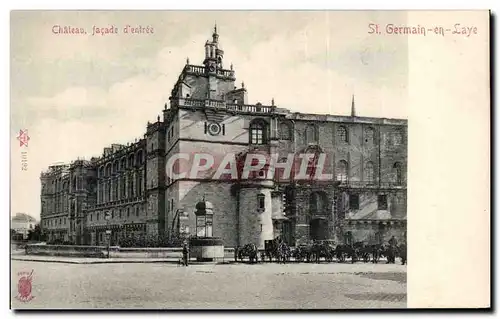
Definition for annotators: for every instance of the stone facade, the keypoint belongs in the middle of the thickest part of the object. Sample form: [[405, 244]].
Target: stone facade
[[363, 200]]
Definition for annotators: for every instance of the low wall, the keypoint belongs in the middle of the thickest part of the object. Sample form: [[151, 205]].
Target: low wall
[[114, 252], [68, 250]]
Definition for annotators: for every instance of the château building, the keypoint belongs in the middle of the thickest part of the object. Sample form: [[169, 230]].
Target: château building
[[365, 200]]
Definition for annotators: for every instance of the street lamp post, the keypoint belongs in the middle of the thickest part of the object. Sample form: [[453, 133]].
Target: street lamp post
[[107, 217], [180, 214]]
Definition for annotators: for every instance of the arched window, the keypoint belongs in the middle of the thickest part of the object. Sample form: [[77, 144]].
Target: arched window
[[284, 131], [311, 134], [342, 134], [130, 185], [369, 135], [398, 173], [369, 172], [123, 189], [258, 132], [138, 159], [131, 161], [109, 190], [342, 170]]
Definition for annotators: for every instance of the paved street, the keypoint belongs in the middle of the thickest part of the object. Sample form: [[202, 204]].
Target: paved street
[[235, 286]]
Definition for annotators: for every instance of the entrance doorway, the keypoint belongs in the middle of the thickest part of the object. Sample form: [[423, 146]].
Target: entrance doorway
[[319, 229]]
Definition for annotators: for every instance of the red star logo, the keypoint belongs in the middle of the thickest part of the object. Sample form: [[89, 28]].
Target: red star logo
[[23, 138]]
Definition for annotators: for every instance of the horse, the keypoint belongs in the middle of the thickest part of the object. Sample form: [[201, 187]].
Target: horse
[[344, 251], [362, 251], [271, 248], [302, 253], [377, 251], [365, 253], [283, 253], [390, 252], [322, 250], [250, 251]]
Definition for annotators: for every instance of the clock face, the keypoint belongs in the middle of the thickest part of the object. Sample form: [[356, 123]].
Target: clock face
[[211, 68], [214, 129]]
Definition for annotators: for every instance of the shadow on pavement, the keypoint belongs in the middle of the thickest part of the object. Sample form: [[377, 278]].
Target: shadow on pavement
[[394, 276]]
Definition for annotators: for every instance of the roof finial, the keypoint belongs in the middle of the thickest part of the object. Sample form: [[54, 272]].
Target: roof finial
[[272, 102], [187, 60], [243, 85], [231, 66], [215, 27], [353, 107]]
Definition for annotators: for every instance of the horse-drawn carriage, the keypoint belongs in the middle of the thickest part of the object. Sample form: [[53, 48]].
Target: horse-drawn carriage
[[249, 251], [278, 250]]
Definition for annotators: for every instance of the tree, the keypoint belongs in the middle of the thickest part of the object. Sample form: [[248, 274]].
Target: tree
[[36, 234]]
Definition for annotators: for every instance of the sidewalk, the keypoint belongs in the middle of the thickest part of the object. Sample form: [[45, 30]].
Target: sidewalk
[[76, 260]]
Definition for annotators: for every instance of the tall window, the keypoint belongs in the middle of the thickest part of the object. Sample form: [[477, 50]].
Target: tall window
[[398, 173], [284, 131], [369, 135], [138, 160], [342, 169], [261, 201], [258, 133], [369, 172], [382, 202], [311, 134], [108, 189], [131, 160], [140, 183], [317, 203], [342, 135], [354, 201]]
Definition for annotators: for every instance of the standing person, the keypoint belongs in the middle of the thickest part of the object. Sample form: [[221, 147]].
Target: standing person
[[393, 242], [236, 252], [185, 254]]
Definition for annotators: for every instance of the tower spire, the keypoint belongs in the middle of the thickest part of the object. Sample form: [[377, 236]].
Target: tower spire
[[353, 107], [215, 36]]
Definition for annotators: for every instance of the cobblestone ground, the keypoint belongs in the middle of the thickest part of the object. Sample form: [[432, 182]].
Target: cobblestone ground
[[234, 286]]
